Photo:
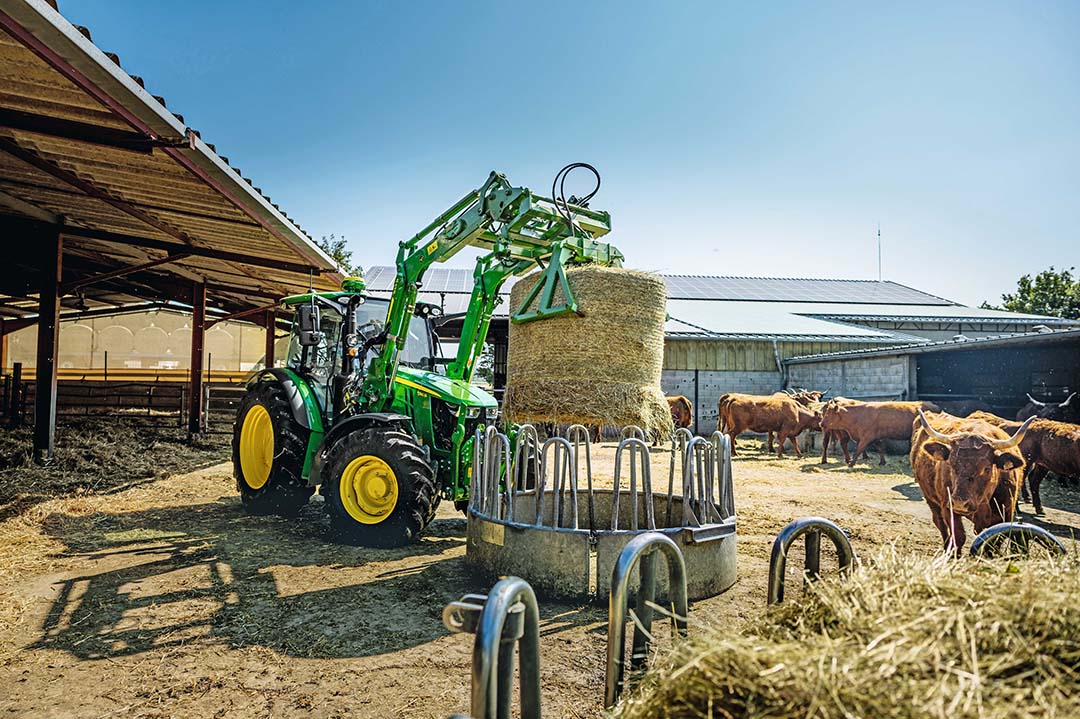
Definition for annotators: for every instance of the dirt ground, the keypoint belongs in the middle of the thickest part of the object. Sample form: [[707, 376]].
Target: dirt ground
[[164, 599]]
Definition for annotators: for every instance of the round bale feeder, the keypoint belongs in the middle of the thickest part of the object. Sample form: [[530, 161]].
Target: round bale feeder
[[534, 513]]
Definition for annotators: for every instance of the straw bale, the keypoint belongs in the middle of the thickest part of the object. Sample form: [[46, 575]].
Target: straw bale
[[602, 367], [905, 637]]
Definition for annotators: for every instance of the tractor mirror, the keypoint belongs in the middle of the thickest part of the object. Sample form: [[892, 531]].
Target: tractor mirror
[[307, 321]]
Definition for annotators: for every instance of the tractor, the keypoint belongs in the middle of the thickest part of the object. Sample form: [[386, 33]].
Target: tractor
[[364, 409]]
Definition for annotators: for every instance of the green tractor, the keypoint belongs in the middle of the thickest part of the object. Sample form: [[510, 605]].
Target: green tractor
[[365, 409]]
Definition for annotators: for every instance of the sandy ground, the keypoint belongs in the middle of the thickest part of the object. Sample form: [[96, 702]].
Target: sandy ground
[[164, 599]]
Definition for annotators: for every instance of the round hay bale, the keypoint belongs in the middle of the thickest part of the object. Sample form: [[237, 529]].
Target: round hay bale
[[602, 367]]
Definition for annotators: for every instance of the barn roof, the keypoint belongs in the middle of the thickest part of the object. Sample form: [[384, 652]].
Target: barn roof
[[144, 205], [1014, 339], [761, 308]]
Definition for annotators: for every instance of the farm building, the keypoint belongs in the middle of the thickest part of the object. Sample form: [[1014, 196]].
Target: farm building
[[995, 370], [728, 334], [113, 205]]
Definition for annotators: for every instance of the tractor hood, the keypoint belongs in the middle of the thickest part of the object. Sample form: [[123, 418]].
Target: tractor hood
[[454, 391]]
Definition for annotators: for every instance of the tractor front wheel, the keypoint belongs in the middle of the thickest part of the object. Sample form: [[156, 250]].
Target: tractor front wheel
[[268, 453], [380, 490]]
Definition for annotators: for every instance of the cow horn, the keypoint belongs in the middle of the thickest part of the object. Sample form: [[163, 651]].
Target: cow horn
[[1015, 439], [1069, 400], [933, 432], [1036, 402]]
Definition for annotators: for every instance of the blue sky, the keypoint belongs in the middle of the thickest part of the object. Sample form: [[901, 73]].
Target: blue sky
[[762, 139]]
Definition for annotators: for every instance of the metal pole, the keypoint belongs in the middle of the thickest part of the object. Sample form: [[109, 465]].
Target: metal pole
[[697, 407], [268, 356], [1016, 534], [632, 553], [813, 528], [507, 614], [198, 335], [14, 402], [47, 341]]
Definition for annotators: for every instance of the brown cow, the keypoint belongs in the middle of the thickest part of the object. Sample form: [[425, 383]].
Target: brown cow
[[682, 414], [804, 397], [682, 411], [871, 422], [966, 468], [766, 414], [1048, 446], [835, 433]]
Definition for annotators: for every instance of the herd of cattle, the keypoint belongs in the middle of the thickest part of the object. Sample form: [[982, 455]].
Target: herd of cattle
[[967, 461]]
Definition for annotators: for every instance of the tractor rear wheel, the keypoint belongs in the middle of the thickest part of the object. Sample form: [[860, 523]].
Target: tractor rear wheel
[[379, 487], [268, 453]]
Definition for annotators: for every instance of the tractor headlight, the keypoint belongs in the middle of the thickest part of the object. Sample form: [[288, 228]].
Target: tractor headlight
[[472, 412], [491, 412]]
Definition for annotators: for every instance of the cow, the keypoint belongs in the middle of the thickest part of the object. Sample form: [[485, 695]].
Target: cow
[[1067, 411], [966, 468], [725, 402], [766, 414], [682, 414], [871, 422], [682, 411], [806, 397], [835, 433], [1048, 446]]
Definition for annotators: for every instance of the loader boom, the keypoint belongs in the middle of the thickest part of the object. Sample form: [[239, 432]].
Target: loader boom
[[521, 231]]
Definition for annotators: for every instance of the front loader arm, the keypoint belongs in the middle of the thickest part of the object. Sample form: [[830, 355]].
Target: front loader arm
[[521, 231]]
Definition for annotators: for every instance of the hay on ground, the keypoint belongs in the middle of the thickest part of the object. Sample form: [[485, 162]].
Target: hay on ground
[[905, 637], [602, 367]]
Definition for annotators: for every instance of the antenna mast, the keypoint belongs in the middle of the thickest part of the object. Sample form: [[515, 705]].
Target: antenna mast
[[879, 252]]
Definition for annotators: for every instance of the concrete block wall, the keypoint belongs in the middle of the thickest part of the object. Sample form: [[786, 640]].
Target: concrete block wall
[[713, 383], [865, 378]]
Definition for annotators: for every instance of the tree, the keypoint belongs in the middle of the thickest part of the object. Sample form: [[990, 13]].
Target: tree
[[1052, 292], [335, 247]]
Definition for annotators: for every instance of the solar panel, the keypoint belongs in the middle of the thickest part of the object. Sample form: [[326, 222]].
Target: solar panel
[[783, 289], [703, 287]]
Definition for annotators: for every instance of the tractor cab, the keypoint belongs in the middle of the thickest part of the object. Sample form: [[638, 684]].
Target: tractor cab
[[317, 348]]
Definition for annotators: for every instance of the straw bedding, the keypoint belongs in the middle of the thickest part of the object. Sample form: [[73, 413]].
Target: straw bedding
[[905, 637], [602, 367]]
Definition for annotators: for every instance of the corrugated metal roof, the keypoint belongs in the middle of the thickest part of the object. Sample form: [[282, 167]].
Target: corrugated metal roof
[[1004, 340], [84, 145], [796, 289], [766, 319]]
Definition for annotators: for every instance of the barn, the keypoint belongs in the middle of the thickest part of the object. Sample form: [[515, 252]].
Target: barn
[[998, 371], [728, 334]]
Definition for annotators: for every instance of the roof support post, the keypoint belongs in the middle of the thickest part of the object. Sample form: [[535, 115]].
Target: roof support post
[[198, 335], [48, 332], [268, 356]]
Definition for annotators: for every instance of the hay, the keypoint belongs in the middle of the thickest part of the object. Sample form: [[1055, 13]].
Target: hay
[[905, 637], [602, 367]]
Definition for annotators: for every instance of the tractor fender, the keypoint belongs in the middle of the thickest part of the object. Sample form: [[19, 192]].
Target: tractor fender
[[287, 380], [346, 426]]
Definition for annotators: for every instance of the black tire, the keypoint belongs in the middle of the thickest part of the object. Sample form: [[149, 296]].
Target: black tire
[[284, 490], [413, 485]]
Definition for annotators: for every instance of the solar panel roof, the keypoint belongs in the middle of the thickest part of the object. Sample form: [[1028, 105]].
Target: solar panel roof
[[709, 287]]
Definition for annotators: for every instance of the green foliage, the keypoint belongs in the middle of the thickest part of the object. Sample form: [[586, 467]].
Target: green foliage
[[1052, 292], [484, 372], [335, 247]]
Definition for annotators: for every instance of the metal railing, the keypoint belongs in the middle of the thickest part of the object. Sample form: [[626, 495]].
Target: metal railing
[[812, 528], [1014, 535], [641, 552], [551, 471], [502, 620]]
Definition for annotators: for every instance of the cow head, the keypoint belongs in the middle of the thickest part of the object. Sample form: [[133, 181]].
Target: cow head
[[974, 462], [1064, 412]]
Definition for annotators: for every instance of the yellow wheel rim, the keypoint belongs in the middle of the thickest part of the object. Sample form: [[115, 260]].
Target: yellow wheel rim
[[368, 489], [256, 447]]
